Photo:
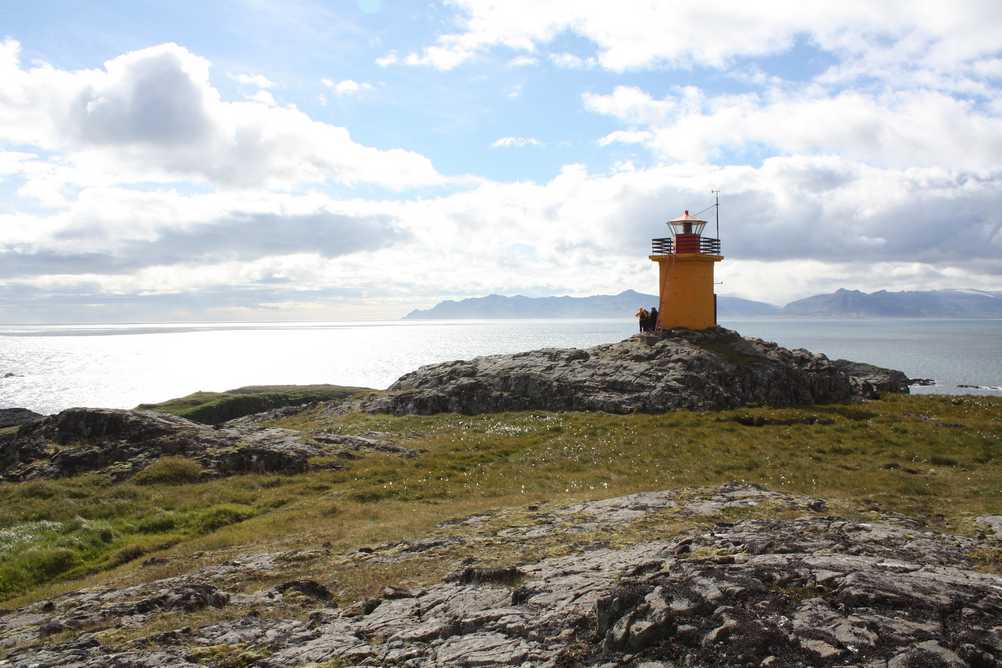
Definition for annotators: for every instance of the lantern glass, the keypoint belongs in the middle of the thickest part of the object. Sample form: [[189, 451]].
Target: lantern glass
[[688, 226]]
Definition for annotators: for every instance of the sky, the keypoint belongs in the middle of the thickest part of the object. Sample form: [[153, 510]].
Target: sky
[[245, 160]]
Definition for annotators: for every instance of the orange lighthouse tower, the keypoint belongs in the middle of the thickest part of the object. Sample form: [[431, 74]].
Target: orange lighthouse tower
[[685, 275]]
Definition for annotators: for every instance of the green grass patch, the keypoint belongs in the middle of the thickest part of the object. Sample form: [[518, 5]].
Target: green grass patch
[[218, 407], [223, 515], [933, 458], [170, 471]]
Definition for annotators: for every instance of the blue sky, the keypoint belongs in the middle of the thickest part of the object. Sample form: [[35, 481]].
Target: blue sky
[[313, 160]]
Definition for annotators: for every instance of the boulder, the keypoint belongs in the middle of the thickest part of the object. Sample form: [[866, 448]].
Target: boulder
[[15, 417], [124, 442]]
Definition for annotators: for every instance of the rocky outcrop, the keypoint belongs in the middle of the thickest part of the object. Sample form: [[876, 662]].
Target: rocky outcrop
[[713, 369], [869, 380], [15, 417], [121, 443], [793, 588]]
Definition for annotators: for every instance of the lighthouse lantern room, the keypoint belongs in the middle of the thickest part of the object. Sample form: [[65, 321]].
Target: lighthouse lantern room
[[685, 275]]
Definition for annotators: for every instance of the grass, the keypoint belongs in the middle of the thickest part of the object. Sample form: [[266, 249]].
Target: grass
[[170, 471], [938, 459], [218, 407]]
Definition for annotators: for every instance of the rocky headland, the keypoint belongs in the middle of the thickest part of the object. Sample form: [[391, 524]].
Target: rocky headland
[[708, 370], [681, 574]]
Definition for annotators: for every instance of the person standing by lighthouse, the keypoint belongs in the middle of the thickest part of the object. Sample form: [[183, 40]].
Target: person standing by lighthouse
[[685, 275]]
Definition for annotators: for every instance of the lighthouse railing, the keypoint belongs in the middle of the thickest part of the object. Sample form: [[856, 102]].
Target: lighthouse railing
[[709, 246], [666, 246]]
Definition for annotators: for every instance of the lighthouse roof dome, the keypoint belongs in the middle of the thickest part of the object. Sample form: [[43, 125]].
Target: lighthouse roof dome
[[686, 218]]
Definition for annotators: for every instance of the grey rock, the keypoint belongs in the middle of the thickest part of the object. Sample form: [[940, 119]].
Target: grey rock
[[310, 588], [712, 369], [884, 593], [15, 417], [871, 381], [993, 522], [123, 442], [928, 653]]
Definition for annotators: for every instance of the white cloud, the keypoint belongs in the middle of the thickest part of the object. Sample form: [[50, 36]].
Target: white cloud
[[571, 61], [627, 137], [153, 115], [523, 61], [791, 227], [347, 86], [264, 97], [900, 129], [258, 80], [844, 187], [991, 68], [515, 142], [388, 59], [648, 34]]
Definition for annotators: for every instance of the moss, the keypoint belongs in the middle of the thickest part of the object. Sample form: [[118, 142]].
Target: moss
[[218, 407], [988, 559], [227, 656], [170, 471]]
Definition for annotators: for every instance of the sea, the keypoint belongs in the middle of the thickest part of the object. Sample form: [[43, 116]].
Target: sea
[[47, 368]]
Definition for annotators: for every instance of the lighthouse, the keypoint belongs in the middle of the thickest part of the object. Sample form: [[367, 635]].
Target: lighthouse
[[685, 275]]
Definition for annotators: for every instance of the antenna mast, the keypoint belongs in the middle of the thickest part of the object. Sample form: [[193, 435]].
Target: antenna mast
[[716, 208]]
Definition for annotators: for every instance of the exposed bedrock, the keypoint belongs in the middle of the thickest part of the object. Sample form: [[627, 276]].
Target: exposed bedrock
[[15, 417], [712, 369], [123, 442], [792, 588]]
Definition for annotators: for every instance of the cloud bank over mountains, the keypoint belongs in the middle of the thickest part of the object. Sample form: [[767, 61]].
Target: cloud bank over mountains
[[144, 186]]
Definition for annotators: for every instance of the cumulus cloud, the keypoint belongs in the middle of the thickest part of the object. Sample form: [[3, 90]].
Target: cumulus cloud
[[515, 142], [147, 184], [647, 34], [522, 61], [154, 115], [902, 128], [347, 86], [792, 226], [572, 61], [258, 80]]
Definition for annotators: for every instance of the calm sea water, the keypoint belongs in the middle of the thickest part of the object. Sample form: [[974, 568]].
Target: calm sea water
[[119, 366]]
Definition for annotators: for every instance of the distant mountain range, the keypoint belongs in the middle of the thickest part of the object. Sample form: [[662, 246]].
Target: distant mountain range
[[917, 304], [841, 303]]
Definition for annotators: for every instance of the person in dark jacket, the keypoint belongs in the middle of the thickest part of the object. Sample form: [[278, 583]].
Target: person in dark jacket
[[642, 316], [654, 319]]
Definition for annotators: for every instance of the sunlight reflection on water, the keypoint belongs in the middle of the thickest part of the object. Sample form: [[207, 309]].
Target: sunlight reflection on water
[[120, 366]]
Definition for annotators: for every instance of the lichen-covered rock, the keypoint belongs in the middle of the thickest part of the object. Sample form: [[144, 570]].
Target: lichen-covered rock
[[712, 369], [123, 442], [807, 590], [871, 381]]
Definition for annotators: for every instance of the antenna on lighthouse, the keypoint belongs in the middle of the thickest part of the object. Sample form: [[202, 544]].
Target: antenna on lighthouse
[[716, 208]]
